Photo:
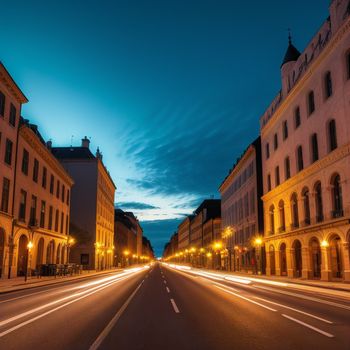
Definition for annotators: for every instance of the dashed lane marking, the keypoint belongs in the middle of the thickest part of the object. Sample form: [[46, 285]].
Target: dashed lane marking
[[176, 309]]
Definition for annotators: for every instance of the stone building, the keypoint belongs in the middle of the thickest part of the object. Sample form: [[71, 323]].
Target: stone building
[[11, 100], [305, 136], [92, 206], [42, 204], [242, 212], [184, 233]]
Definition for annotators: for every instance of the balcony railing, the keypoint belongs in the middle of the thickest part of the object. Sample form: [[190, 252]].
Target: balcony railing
[[337, 213]]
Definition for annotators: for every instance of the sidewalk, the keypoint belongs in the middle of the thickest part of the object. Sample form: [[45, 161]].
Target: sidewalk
[[18, 283]]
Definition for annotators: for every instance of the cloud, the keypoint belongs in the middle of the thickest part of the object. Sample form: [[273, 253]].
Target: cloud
[[135, 205]]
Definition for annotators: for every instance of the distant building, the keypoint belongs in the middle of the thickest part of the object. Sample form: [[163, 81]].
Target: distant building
[[11, 100], [242, 212], [305, 136], [92, 206], [147, 249], [184, 233]]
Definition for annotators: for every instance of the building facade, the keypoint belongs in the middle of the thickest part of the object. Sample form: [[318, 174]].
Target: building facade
[[11, 100], [92, 206], [305, 136], [184, 233], [242, 213], [42, 205]]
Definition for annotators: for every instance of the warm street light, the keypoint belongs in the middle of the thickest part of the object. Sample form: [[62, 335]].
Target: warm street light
[[209, 255], [258, 241], [324, 243], [217, 245], [30, 245]]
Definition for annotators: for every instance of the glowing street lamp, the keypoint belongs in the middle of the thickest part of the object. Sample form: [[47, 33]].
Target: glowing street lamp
[[258, 243]]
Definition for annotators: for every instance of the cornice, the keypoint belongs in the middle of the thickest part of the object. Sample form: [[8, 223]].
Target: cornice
[[227, 182], [8, 81], [320, 165], [29, 136], [300, 84]]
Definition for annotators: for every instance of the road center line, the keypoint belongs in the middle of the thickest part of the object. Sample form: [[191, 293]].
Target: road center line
[[167, 289], [309, 326], [296, 310], [113, 321], [164, 282], [176, 309], [247, 299]]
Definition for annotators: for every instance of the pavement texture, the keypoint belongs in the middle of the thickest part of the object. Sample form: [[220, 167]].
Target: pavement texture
[[169, 307]]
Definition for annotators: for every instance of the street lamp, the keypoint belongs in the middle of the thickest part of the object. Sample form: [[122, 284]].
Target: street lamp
[[258, 243], [70, 242], [29, 249]]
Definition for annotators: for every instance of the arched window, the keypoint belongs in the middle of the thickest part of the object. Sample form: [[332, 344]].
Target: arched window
[[328, 88], [272, 219], [311, 102], [295, 212], [332, 135], [337, 197], [282, 227], [306, 203], [318, 202], [314, 148]]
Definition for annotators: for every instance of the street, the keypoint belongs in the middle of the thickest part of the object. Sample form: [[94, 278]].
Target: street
[[163, 307]]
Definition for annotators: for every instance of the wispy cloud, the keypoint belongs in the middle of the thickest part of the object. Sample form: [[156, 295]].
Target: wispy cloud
[[135, 205]]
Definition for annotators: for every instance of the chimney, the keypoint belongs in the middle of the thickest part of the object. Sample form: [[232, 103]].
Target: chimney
[[85, 142], [49, 144], [98, 153]]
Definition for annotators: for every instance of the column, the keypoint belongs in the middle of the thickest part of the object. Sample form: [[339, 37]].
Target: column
[[306, 261], [278, 262], [290, 262], [268, 262], [326, 272], [346, 257]]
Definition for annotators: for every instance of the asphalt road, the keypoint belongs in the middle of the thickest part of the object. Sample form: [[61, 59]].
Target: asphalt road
[[166, 308]]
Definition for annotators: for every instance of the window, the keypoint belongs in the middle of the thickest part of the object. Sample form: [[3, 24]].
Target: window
[[337, 197], [300, 161], [2, 104], [13, 113], [32, 218], [297, 118], [314, 148], [328, 88], [22, 206], [42, 214], [272, 219], [269, 182], [311, 102], [282, 216], [5, 195], [58, 189], [267, 151], [295, 212], [25, 162], [8, 152], [275, 141], [68, 197], [63, 192], [44, 178], [35, 170], [52, 181], [50, 218], [56, 220], [332, 135], [287, 168], [306, 203], [62, 222], [285, 130], [318, 202], [67, 224], [277, 175]]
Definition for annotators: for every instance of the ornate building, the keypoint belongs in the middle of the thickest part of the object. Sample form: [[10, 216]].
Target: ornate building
[[92, 206], [305, 135]]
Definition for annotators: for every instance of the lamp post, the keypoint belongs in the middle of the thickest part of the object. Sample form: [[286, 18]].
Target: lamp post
[[217, 246], [70, 242], [258, 243], [29, 249]]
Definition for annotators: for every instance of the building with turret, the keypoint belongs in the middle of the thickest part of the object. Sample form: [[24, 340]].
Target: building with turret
[[305, 137]]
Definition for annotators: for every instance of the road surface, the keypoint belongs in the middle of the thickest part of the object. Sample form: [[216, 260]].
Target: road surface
[[162, 307]]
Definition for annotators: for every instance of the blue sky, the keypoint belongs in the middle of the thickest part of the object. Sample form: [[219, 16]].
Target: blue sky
[[171, 91]]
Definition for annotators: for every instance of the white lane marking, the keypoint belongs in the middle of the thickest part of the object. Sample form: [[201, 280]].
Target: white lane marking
[[167, 289], [247, 299], [296, 310], [321, 301], [96, 344], [176, 309], [164, 282], [20, 325], [309, 326], [14, 318]]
